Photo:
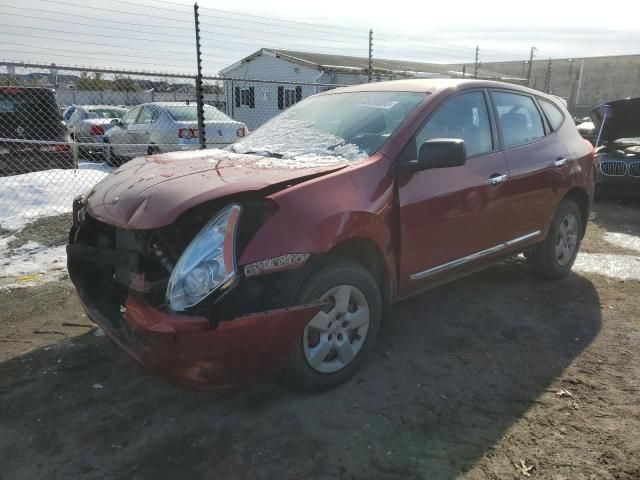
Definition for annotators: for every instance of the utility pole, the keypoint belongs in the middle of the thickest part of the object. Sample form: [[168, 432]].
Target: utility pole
[[370, 68], [475, 67], [464, 71], [199, 93], [533, 49], [547, 79]]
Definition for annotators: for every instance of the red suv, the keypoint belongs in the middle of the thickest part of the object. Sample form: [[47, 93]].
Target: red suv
[[284, 251]]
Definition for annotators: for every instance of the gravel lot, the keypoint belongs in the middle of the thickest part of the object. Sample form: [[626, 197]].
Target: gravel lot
[[497, 376]]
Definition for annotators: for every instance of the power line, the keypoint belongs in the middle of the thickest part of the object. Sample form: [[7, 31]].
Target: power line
[[278, 33], [102, 9], [100, 26], [305, 29], [75, 15], [98, 35], [89, 43], [228, 12], [94, 58], [90, 53]]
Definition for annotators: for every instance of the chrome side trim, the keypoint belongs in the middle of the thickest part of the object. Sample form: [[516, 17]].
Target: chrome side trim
[[474, 256], [515, 241]]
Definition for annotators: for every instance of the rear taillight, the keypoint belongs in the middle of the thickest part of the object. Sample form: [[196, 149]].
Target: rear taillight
[[187, 133], [11, 90], [96, 130], [63, 147], [241, 132]]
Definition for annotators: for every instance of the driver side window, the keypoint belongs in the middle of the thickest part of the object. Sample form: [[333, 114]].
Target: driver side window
[[130, 117], [463, 117]]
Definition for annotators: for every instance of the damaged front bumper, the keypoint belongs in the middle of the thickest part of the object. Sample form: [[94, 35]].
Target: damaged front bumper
[[188, 352], [199, 349]]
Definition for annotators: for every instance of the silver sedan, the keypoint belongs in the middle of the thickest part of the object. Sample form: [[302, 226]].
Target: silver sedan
[[169, 126]]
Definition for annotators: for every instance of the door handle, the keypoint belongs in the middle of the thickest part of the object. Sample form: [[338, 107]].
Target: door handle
[[560, 162], [497, 179]]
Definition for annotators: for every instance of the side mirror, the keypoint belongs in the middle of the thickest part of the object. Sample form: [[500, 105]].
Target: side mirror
[[116, 122], [437, 153]]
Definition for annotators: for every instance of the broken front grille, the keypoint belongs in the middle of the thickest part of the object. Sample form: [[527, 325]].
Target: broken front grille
[[613, 168]]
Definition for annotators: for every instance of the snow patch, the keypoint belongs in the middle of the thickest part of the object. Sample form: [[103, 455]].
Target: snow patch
[[619, 267], [24, 198], [623, 240], [30, 264]]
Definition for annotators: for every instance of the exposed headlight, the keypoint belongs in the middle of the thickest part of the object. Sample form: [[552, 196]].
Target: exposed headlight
[[208, 263]]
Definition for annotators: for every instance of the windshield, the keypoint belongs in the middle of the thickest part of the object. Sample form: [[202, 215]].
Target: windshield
[[347, 125], [105, 113], [15, 101], [189, 113]]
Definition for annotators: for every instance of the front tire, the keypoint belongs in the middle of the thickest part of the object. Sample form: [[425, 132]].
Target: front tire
[[337, 340], [553, 258]]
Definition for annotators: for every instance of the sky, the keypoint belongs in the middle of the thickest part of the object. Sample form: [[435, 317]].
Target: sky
[[158, 35]]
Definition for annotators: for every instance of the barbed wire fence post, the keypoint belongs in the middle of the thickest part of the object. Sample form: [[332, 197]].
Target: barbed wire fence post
[[370, 67], [475, 65], [199, 93]]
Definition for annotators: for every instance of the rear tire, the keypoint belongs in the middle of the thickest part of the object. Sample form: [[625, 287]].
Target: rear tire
[[111, 158], [346, 328], [553, 258]]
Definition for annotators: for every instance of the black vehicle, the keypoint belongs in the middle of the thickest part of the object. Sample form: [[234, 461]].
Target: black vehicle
[[617, 131], [32, 134]]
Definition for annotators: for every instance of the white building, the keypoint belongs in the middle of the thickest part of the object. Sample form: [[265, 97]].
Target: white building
[[287, 77], [283, 77]]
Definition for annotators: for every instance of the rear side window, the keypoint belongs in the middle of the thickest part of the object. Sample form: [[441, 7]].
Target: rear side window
[[519, 118], [553, 113], [149, 115], [26, 102], [183, 113], [464, 117]]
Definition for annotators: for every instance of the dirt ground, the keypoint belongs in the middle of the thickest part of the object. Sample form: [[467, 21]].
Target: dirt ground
[[497, 376]]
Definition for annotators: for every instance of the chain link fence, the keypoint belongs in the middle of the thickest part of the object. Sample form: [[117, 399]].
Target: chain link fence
[[214, 77], [63, 129]]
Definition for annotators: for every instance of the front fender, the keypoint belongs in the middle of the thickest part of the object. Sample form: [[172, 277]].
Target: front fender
[[315, 216]]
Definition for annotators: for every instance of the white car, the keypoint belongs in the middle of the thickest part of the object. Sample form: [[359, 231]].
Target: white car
[[90, 123], [169, 126]]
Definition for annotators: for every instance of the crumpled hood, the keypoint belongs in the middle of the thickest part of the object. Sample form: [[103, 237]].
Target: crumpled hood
[[621, 119], [152, 191]]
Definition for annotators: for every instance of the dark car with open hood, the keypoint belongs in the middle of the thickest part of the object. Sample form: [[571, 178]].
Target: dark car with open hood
[[283, 252], [617, 132]]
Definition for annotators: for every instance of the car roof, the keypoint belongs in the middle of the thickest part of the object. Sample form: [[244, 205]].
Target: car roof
[[433, 85], [171, 104], [96, 107]]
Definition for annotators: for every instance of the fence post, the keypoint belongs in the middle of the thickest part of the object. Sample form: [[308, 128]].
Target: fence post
[[533, 49], [547, 79], [475, 65], [199, 94], [370, 68]]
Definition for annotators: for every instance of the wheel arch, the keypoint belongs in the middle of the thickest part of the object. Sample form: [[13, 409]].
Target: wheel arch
[[366, 253], [581, 198]]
